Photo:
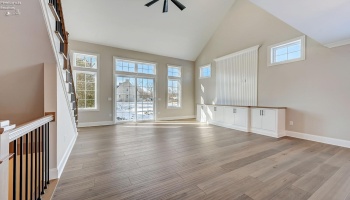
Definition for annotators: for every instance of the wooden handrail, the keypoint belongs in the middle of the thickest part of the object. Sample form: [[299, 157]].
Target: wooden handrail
[[24, 129]]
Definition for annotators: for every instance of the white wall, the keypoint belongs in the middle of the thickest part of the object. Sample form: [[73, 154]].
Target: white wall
[[66, 132], [316, 91], [24, 47]]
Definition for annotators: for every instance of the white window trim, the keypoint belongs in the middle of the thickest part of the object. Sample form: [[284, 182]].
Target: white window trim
[[200, 71], [270, 54], [167, 88], [174, 66], [82, 69], [115, 58]]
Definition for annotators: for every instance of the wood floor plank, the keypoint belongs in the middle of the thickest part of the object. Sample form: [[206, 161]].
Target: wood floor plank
[[337, 187], [189, 160]]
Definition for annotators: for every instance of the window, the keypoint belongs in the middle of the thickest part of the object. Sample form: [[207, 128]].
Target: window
[[135, 67], [289, 51], [205, 72], [85, 61], [174, 71], [174, 87], [85, 72]]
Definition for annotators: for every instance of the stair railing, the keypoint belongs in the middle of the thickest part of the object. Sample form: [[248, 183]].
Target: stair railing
[[24, 159]]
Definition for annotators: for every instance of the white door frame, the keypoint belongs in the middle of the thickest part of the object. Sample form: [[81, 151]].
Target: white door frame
[[136, 76]]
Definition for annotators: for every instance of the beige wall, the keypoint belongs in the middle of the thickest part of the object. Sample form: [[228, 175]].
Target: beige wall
[[24, 47], [316, 91], [106, 81]]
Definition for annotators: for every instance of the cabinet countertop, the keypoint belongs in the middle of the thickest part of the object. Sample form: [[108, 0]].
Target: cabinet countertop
[[269, 107]]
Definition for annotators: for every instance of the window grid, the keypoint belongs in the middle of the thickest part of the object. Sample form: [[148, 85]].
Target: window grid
[[85, 72], [174, 71], [288, 51], [205, 72], [135, 67], [86, 89], [85, 60], [174, 93], [174, 87]]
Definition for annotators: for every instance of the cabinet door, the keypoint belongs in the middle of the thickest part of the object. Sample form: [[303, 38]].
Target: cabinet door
[[219, 114], [256, 118], [229, 115], [241, 117], [269, 120]]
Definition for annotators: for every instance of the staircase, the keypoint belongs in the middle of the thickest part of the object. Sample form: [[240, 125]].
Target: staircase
[[53, 15]]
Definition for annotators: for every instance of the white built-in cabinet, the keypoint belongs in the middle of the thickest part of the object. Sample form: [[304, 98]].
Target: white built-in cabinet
[[265, 121], [268, 121]]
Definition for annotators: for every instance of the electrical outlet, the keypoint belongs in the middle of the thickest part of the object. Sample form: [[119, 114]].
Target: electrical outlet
[[109, 99], [110, 115], [291, 123]]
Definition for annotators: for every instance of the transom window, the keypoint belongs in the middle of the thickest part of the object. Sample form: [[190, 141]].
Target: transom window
[[135, 67], [174, 87], [205, 71], [174, 71], [85, 73], [85, 60], [289, 51]]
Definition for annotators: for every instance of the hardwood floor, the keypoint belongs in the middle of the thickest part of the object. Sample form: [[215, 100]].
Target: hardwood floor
[[187, 160]]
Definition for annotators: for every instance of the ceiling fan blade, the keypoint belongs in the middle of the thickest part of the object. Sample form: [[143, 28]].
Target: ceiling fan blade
[[151, 3], [165, 7], [178, 4]]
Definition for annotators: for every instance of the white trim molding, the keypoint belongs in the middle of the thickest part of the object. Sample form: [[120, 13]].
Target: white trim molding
[[321, 139], [176, 118], [238, 53], [91, 124], [64, 160], [338, 44]]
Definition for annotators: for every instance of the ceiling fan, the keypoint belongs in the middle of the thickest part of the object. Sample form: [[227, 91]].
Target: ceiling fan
[[165, 7]]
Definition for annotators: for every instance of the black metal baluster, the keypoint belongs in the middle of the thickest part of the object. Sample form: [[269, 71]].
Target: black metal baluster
[[43, 160], [14, 169], [27, 161], [21, 167], [48, 152], [39, 139], [36, 159], [31, 163]]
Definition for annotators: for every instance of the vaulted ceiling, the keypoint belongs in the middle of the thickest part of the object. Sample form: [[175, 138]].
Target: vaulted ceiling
[[327, 22], [128, 24]]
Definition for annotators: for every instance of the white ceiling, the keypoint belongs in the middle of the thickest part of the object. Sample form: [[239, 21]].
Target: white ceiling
[[128, 24], [326, 21]]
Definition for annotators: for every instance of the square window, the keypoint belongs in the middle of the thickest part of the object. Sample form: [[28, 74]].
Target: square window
[[205, 71], [288, 51]]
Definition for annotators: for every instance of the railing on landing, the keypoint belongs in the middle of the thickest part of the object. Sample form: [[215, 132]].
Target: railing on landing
[[24, 159]]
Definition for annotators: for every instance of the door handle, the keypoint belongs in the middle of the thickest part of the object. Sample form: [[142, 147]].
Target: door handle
[[214, 108], [262, 112]]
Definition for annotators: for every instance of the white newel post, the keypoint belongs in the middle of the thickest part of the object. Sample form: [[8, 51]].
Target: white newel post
[[4, 158]]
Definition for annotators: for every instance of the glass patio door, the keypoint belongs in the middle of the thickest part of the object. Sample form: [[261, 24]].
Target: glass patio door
[[125, 98], [145, 99], [134, 99]]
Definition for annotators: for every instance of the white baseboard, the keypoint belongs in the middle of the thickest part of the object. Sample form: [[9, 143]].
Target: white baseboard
[[64, 160], [91, 124], [321, 139], [53, 173], [176, 118]]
